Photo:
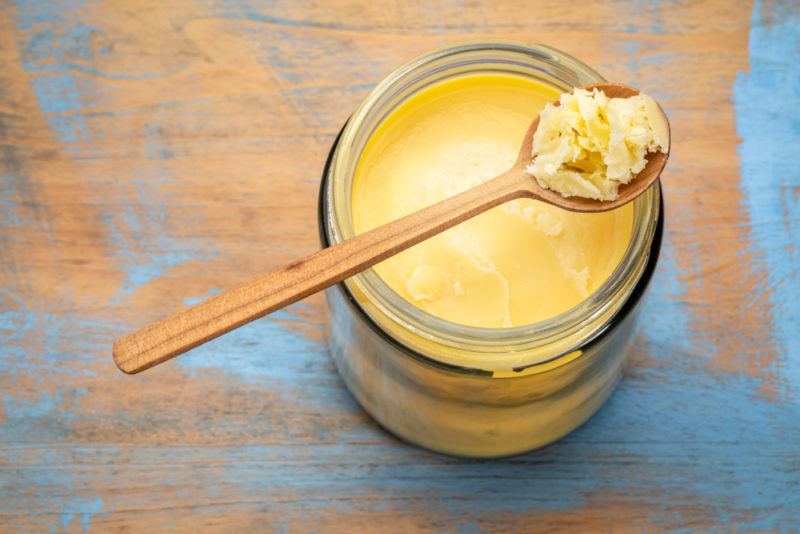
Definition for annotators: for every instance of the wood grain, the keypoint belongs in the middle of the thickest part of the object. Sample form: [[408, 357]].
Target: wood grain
[[139, 139]]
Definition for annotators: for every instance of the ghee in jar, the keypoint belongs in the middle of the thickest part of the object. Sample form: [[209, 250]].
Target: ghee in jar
[[517, 264]]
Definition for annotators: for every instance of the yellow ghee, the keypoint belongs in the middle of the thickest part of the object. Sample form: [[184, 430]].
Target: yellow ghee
[[516, 264], [590, 144]]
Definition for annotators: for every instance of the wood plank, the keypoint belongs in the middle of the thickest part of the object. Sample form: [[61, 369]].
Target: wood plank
[[139, 139]]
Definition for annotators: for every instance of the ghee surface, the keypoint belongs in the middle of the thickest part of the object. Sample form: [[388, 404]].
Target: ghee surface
[[516, 264]]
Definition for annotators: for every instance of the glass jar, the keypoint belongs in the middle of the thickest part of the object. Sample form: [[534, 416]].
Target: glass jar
[[461, 390]]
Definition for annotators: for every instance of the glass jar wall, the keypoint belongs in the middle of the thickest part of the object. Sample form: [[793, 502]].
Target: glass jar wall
[[480, 392]]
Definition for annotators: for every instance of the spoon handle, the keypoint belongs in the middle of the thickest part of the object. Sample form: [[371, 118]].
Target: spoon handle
[[203, 322]]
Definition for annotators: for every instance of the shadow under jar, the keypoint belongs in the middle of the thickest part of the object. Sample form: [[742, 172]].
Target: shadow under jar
[[465, 390]]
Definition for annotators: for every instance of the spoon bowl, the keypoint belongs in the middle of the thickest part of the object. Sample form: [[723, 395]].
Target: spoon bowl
[[627, 192]]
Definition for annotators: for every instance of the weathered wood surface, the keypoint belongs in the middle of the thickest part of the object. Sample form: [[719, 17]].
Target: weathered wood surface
[[147, 160]]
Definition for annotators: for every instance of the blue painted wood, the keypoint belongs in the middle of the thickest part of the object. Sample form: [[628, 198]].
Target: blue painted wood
[[145, 162]]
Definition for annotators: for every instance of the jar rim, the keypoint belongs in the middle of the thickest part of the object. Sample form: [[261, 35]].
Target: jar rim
[[524, 345]]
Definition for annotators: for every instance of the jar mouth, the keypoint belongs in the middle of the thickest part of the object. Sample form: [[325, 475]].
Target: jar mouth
[[496, 348]]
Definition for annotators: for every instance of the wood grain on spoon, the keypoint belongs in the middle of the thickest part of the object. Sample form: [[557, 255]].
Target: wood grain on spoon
[[272, 291]]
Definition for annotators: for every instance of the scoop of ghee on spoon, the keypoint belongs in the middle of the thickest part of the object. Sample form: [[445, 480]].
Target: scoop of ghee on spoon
[[589, 144]]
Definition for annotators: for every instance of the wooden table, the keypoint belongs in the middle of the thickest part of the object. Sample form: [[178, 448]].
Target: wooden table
[[147, 157]]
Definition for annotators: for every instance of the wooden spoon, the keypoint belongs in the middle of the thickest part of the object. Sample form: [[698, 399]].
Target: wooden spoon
[[193, 326]]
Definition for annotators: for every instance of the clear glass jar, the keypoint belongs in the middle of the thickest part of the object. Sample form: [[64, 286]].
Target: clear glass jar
[[467, 391]]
